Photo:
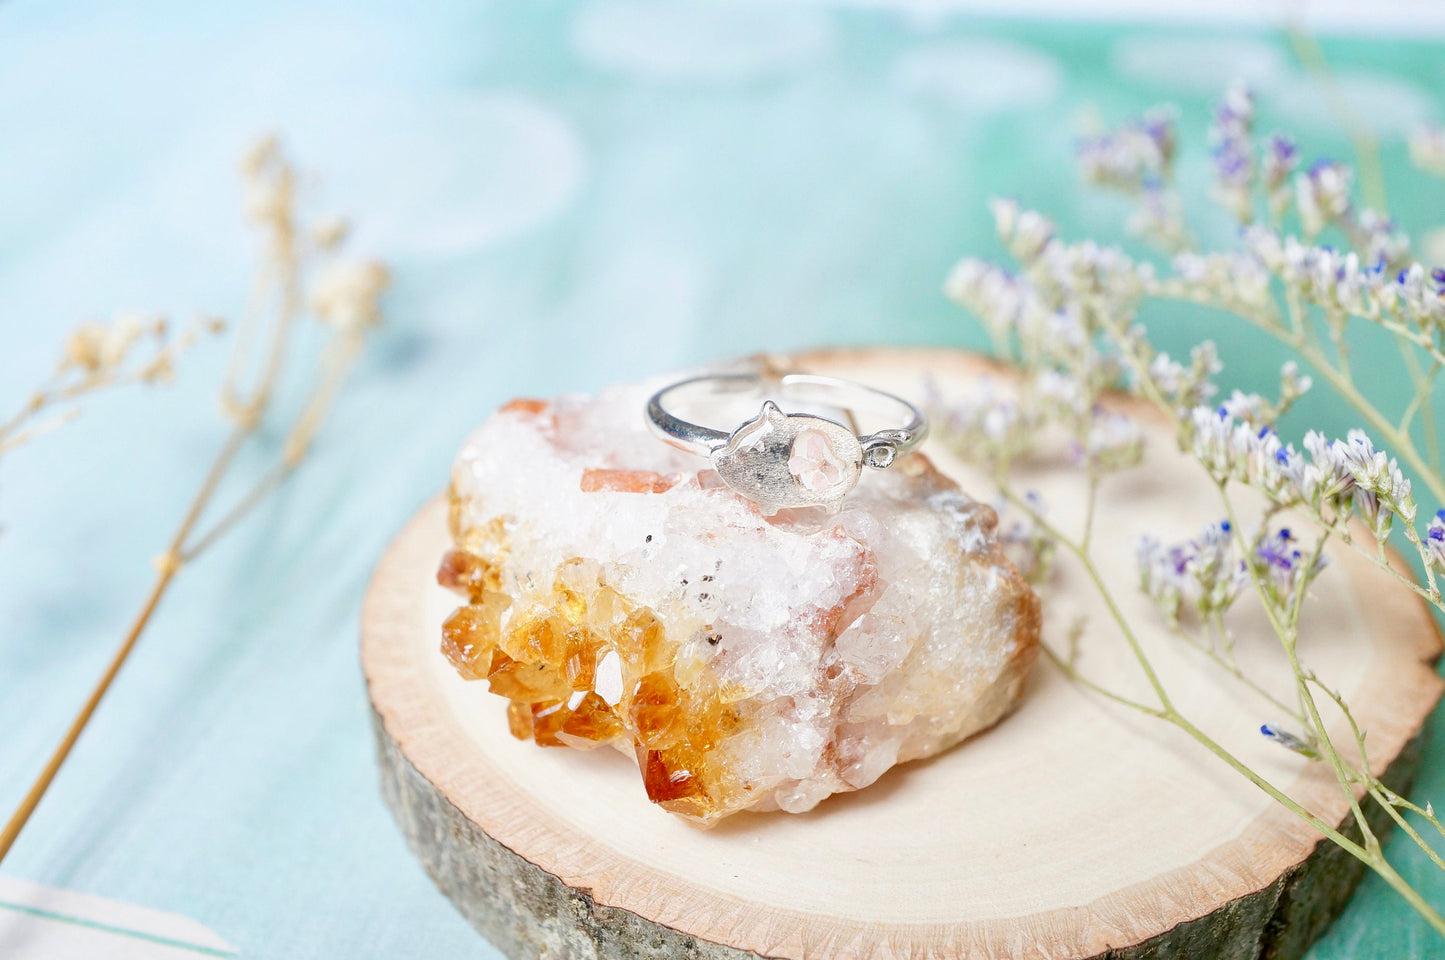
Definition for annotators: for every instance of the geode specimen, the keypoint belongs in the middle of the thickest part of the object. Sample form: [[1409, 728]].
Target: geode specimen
[[618, 592]]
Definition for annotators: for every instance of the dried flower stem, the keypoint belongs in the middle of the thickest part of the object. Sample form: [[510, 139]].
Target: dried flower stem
[[1367, 149], [1067, 317], [1288, 633], [21, 816], [170, 564], [1370, 852], [99, 357], [271, 181], [1229, 666], [1397, 436], [340, 357], [9, 440]]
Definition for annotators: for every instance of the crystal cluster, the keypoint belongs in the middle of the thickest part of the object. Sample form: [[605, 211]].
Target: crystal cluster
[[617, 592]]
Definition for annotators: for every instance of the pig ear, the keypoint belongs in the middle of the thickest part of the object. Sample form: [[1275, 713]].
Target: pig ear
[[772, 414]]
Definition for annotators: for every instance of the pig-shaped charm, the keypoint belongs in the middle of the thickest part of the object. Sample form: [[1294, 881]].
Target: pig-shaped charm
[[790, 460]]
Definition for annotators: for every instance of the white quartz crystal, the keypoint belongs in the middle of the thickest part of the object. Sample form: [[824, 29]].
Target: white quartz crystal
[[804, 653]]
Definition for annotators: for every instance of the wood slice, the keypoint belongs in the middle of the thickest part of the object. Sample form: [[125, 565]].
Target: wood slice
[[1074, 829]]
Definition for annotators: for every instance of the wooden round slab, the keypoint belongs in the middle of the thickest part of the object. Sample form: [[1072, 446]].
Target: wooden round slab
[[1073, 829]]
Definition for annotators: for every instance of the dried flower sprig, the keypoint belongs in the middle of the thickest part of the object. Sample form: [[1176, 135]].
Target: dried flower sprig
[[1067, 316], [131, 349], [1138, 159], [297, 267]]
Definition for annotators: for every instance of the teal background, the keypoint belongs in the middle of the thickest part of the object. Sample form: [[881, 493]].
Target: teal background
[[570, 194]]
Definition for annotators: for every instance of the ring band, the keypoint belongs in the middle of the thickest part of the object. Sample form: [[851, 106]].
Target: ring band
[[782, 459]]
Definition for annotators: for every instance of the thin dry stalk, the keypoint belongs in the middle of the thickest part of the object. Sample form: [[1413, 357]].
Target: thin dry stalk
[[345, 298]]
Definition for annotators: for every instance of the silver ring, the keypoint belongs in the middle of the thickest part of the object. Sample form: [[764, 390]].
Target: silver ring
[[782, 459]]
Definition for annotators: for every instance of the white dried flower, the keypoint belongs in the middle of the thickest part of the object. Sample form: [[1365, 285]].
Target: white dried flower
[[1292, 384], [1211, 439], [1367, 465], [1190, 386], [1277, 469], [1370, 508], [1205, 572], [995, 296], [1062, 392], [1159, 218], [1027, 545], [1162, 576], [1267, 246], [1248, 408], [1395, 491], [984, 426], [1134, 155], [1382, 244], [1322, 195], [1326, 481], [1113, 442], [346, 294], [1229, 135], [1024, 233]]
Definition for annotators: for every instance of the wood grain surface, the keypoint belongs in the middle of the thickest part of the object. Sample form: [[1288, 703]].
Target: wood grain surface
[[1075, 829]]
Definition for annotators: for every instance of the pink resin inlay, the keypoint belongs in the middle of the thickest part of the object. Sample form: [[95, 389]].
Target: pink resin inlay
[[813, 461]]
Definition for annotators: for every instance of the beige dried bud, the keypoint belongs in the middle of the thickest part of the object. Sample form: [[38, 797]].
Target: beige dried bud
[[269, 199], [293, 451], [99, 349], [330, 233], [346, 294], [83, 348], [161, 369], [261, 154], [119, 338]]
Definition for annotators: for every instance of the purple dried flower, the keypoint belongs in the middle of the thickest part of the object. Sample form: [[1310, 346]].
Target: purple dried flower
[[1323, 194], [1435, 541], [1133, 156], [1281, 157]]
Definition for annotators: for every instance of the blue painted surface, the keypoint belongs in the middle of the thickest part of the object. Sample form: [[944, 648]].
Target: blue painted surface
[[570, 193]]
